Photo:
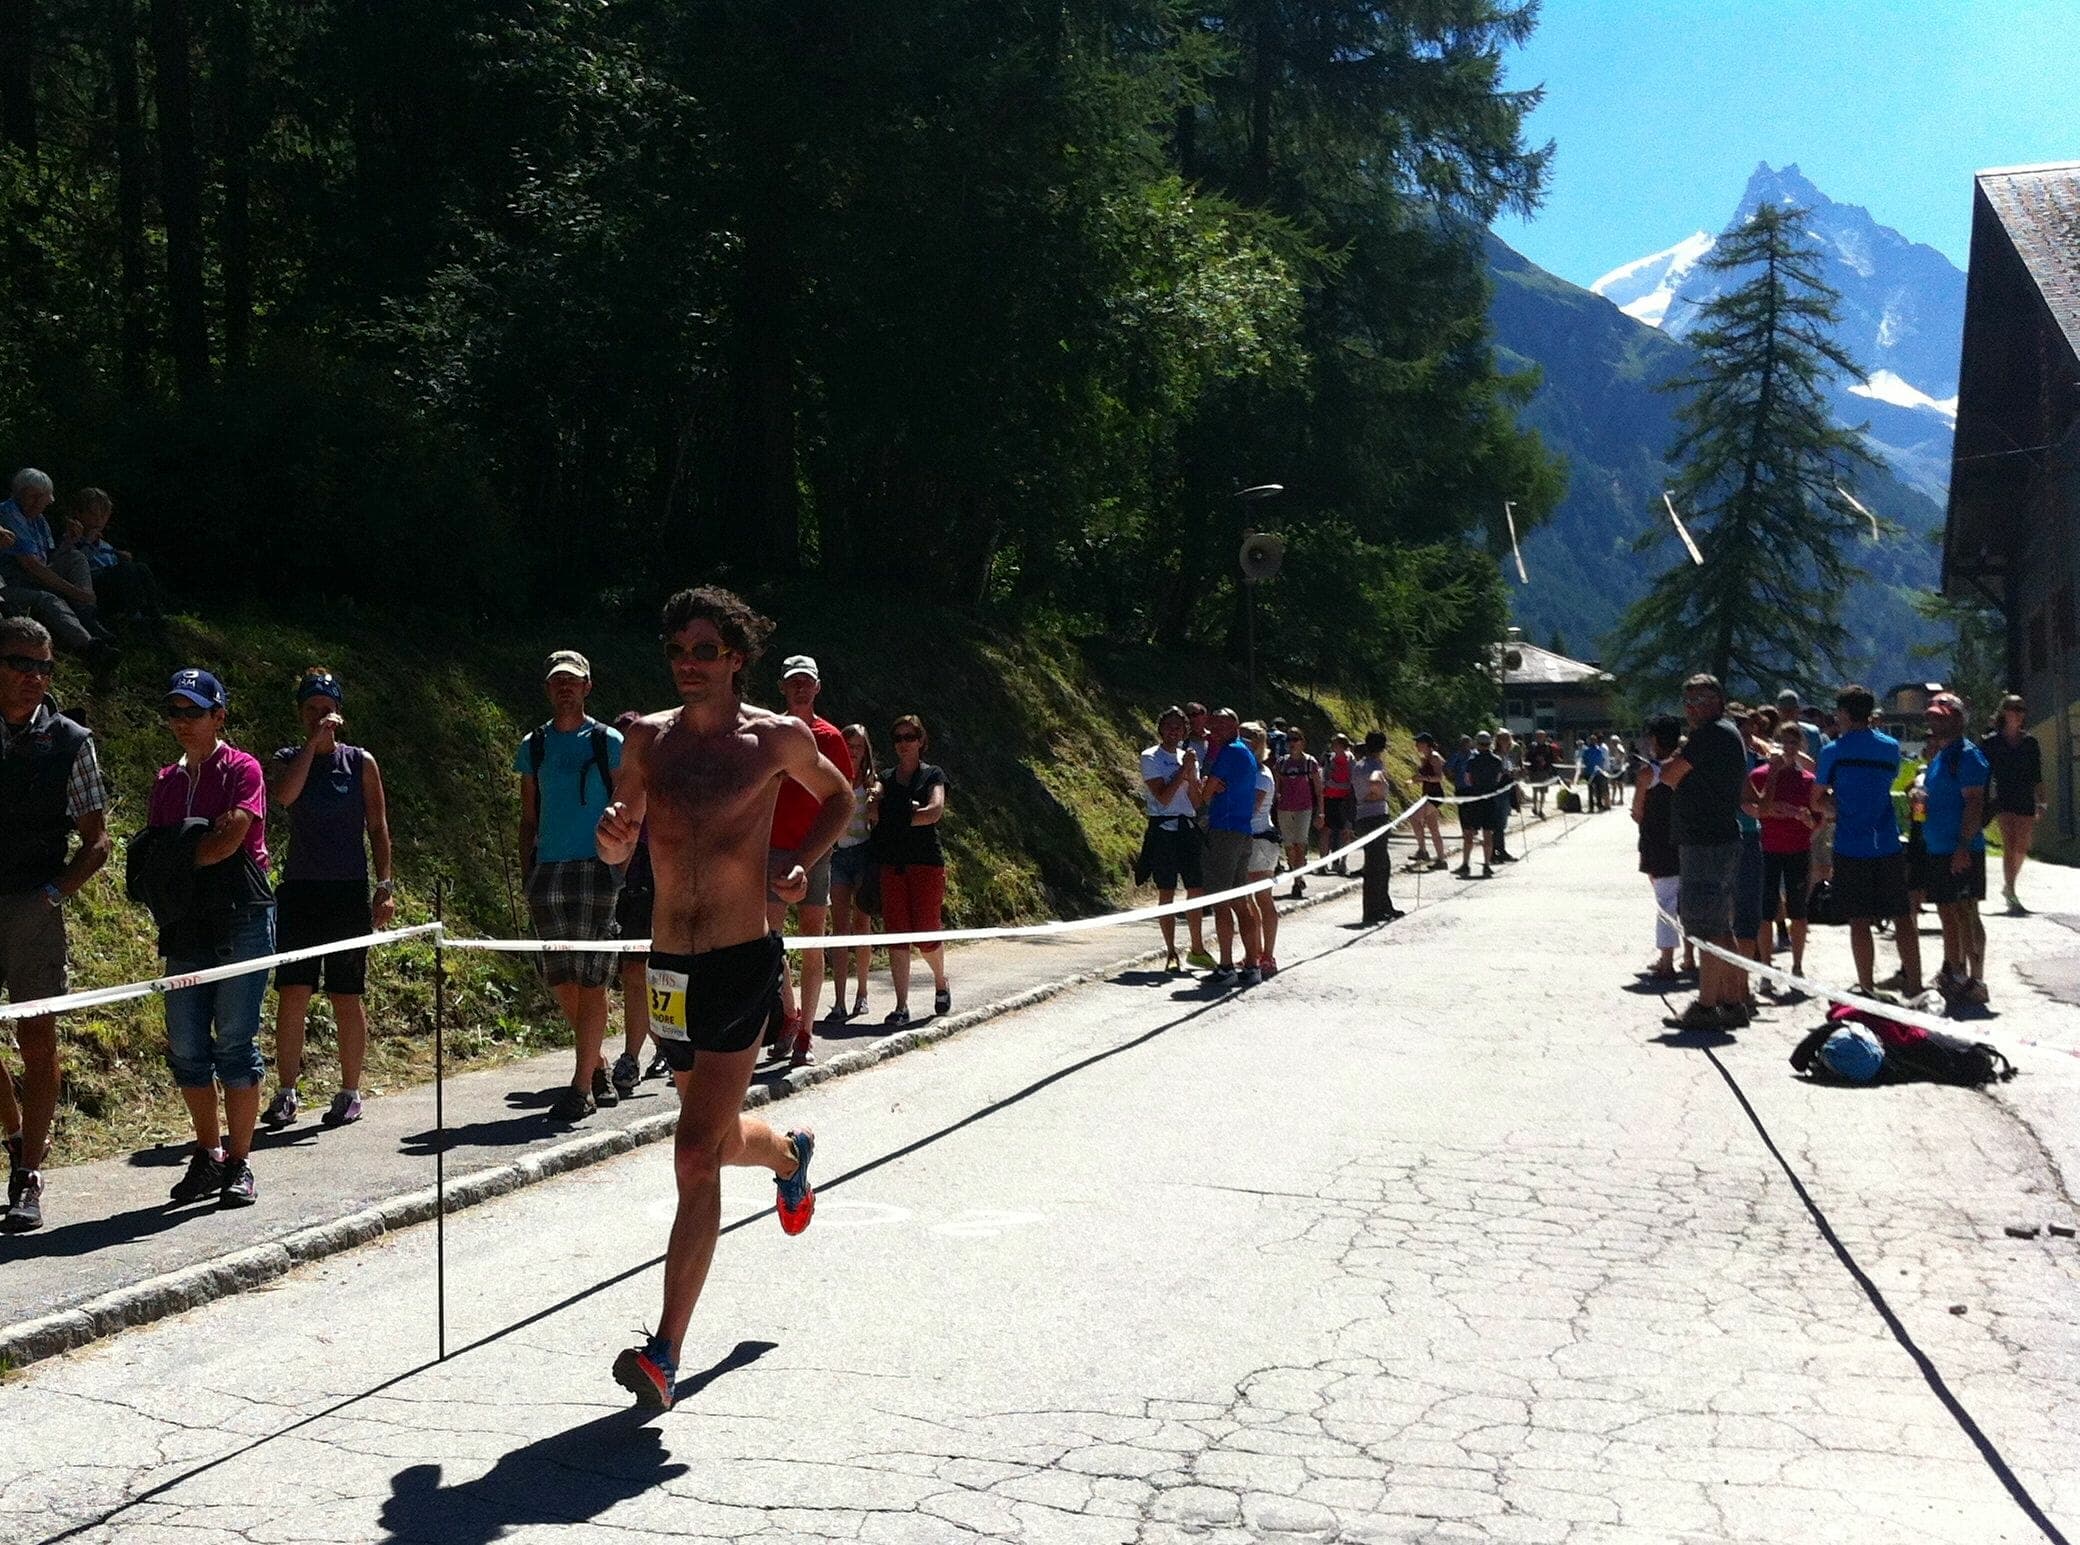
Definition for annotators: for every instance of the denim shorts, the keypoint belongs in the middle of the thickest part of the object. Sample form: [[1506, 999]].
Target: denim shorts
[[849, 865], [213, 1031]]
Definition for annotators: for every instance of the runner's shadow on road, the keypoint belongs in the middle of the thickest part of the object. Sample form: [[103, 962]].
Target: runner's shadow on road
[[569, 1477]]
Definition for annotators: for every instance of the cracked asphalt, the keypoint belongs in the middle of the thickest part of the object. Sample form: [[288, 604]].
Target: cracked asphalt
[[1438, 1236]]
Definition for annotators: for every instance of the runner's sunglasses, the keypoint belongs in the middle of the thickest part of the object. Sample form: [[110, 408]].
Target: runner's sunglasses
[[707, 651]]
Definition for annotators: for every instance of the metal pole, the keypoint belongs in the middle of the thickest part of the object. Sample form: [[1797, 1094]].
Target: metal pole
[[1250, 586], [440, 1123]]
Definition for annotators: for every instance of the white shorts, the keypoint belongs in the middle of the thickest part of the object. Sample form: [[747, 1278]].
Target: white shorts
[[1666, 892], [1263, 855]]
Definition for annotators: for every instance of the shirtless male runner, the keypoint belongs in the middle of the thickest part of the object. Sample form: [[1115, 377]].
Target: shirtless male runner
[[706, 775]]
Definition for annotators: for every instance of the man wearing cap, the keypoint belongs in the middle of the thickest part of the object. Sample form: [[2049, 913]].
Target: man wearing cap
[[1710, 778], [209, 809], [794, 814], [566, 769], [1954, 833], [50, 787], [333, 793], [1484, 774]]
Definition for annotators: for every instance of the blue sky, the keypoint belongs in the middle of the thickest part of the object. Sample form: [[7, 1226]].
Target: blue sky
[[1661, 108]]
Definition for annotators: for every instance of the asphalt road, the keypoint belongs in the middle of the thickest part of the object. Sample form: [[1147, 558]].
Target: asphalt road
[[1437, 1236]]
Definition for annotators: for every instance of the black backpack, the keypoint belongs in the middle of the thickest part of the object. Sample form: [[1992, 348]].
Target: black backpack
[[538, 748], [1822, 910]]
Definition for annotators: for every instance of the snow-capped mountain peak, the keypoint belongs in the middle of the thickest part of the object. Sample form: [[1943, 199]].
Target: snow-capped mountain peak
[[1884, 386], [1643, 288]]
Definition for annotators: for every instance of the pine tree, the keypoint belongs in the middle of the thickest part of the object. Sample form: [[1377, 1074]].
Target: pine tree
[[1763, 466]]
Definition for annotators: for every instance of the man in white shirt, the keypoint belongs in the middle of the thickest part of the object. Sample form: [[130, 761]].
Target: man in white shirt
[[1170, 848]]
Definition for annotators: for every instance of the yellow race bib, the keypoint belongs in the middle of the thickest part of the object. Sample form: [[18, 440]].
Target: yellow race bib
[[667, 1003]]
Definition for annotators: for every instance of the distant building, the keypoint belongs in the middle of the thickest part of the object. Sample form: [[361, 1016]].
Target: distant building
[[1542, 690], [2014, 519]]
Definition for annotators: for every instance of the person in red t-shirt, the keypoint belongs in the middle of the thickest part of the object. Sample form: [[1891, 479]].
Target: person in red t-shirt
[[793, 815], [1784, 795]]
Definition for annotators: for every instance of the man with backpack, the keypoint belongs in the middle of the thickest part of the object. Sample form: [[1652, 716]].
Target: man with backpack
[[566, 769]]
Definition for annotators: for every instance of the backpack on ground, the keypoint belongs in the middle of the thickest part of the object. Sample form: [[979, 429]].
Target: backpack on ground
[[1934, 1055], [538, 749], [1568, 801], [1822, 910]]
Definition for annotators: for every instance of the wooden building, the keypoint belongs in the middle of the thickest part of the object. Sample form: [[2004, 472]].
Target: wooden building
[[2014, 517], [1542, 690]]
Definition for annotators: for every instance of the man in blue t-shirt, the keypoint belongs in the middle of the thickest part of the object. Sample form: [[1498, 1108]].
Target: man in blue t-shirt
[[1953, 833], [1589, 758], [1853, 786], [1228, 795], [566, 770]]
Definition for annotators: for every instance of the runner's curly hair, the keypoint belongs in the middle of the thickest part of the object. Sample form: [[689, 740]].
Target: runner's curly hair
[[743, 629]]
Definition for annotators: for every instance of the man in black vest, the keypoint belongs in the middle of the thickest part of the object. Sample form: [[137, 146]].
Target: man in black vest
[[50, 787]]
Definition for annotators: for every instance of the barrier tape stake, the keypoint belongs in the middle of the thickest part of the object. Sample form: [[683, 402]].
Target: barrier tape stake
[[440, 1124]]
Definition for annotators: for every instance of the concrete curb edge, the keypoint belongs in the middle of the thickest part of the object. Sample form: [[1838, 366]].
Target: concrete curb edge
[[239, 1271]]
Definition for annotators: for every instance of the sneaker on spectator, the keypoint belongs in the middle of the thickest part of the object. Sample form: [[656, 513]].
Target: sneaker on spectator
[[1974, 990], [627, 1074], [1199, 960], [1250, 976], [344, 1110], [603, 1091], [281, 1110], [572, 1104], [205, 1177], [239, 1189], [1221, 976], [24, 1202], [660, 1067]]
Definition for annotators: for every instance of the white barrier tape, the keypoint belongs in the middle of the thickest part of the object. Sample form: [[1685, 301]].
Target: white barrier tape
[[97, 997], [1822, 991], [100, 997], [1047, 930]]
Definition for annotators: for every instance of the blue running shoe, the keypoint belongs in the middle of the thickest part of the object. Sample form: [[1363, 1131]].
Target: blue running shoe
[[648, 1373], [797, 1200]]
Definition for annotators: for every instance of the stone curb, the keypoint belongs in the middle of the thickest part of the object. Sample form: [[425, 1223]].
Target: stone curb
[[155, 1298]]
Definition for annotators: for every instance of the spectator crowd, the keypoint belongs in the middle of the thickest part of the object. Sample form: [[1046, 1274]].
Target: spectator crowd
[[1753, 824]]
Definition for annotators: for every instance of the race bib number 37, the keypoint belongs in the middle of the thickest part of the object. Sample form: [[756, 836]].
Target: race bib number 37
[[668, 999]]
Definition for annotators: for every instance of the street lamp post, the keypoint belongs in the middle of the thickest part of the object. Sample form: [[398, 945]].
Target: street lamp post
[[1260, 560]]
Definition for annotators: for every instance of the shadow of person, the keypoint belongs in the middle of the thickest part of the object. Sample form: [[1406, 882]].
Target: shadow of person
[[569, 1477]]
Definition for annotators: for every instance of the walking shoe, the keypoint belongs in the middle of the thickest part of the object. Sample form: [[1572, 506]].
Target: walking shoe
[[240, 1189], [1249, 976], [573, 1104], [205, 1177], [942, 1001], [603, 1090], [2015, 906], [344, 1110], [796, 1201], [896, 1018], [1974, 992], [859, 1005], [648, 1373], [660, 1067], [1487, 871], [1464, 871], [1267, 966], [1442, 863], [1299, 888], [1221, 976], [1199, 960], [1504, 858], [1736, 1016], [25, 1202], [804, 1054], [281, 1110], [627, 1074]]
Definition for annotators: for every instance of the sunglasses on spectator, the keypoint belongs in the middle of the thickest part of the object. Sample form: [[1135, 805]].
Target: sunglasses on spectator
[[185, 711], [707, 651], [28, 664], [906, 735]]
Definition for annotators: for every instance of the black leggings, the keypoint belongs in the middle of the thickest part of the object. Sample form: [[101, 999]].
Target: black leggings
[[1785, 874]]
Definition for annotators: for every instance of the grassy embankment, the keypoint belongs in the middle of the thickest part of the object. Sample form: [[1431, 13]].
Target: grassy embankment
[[1038, 733]]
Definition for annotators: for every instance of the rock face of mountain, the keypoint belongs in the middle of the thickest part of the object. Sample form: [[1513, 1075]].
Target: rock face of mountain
[[1902, 318], [1601, 406]]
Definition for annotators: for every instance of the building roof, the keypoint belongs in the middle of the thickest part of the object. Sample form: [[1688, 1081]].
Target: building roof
[[1538, 667], [2019, 378], [2039, 207]]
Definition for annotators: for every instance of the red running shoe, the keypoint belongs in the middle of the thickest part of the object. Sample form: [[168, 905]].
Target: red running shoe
[[796, 1203], [648, 1373]]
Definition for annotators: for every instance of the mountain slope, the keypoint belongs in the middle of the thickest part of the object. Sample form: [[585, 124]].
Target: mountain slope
[[1599, 406], [1902, 318]]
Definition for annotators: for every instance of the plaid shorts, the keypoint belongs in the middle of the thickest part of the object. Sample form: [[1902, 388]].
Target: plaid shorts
[[574, 900]]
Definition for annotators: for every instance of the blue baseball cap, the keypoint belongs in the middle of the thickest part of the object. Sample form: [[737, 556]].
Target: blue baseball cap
[[320, 684], [198, 687], [1854, 1053]]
